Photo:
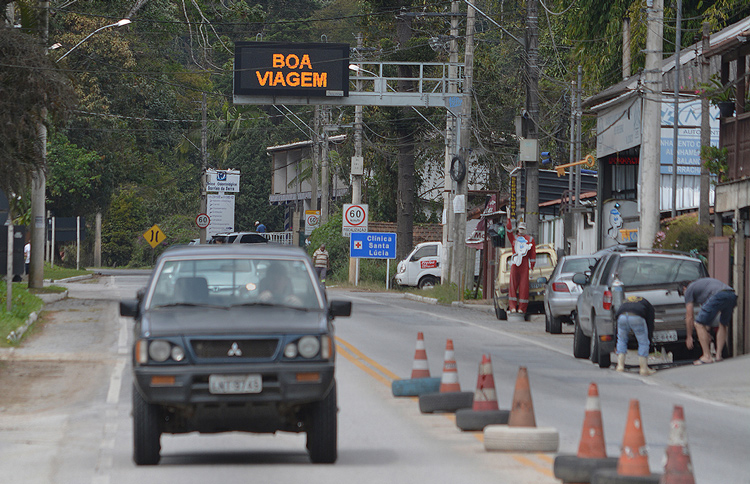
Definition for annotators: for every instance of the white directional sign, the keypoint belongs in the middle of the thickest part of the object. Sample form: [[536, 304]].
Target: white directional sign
[[222, 180], [355, 218]]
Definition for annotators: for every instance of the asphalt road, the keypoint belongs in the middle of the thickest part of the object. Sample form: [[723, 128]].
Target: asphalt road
[[78, 429]]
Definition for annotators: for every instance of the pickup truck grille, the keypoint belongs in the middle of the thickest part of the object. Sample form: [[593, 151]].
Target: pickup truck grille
[[235, 348]]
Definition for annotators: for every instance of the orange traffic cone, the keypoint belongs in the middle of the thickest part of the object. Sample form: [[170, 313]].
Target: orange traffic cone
[[678, 469], [522, 411], [592, 436], [420, 368], [634, 456], [449, 381], [485, 397]]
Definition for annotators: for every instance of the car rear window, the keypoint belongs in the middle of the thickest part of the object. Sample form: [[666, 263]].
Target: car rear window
[[578, 265], [657, 270]]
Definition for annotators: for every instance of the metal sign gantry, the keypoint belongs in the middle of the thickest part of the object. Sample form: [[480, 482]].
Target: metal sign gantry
[[379, 87]]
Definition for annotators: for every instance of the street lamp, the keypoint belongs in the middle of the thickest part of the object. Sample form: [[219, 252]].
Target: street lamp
[[122, 22], [38, 188]]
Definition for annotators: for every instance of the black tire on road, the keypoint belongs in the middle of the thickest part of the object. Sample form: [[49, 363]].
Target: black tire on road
[[445, 402], [146, 431], [322, 436], [476, 420], [581, 342], [600, 358], [415, 387], [555, 325], [610, 476], [571, 468], [499, 312]]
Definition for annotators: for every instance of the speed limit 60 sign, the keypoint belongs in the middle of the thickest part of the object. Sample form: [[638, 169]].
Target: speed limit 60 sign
[[202, 220], [355, 218]]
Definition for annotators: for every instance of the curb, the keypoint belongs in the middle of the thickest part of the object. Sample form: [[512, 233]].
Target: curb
[[71, 279], [414, 297], [477, 307], [15, 336]]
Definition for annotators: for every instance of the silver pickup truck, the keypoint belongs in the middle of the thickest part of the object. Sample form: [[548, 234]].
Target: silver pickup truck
[[654, 275]]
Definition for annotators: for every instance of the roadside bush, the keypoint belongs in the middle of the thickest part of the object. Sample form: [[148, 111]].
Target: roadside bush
[[685, 234]]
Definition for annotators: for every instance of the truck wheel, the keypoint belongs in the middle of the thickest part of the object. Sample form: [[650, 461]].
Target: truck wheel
[[581, 342], [597, 356], [499, 312], [322, 442], [427, 282], [146, 432]]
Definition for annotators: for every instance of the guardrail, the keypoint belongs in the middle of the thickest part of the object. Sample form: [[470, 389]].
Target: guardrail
[[284, 238]]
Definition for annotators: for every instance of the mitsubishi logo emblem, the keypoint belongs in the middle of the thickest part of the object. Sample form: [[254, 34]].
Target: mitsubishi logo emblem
[[234, 350]]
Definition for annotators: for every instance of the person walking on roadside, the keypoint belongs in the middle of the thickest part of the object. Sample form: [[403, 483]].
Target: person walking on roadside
[[27, 256], [714, 297], [634, 314], [259, 227], [321, 263]]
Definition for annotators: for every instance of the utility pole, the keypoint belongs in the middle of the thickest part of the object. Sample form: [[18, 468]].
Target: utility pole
[[532, 107], [648, 195], [450, 149], [678, 40], [357, 164], [460, 273], [315, 160], [324, 177], [39, 180], [705, 187], [204, 164]]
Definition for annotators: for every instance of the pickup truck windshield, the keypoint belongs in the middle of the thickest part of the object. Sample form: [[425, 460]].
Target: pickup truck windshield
[[636, 271], [235, 282]]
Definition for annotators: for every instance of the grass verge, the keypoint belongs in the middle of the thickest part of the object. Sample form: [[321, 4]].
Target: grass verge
[[25, 301]]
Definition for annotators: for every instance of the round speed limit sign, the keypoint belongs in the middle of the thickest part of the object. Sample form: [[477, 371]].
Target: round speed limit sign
[[355, 215], [202, 220]]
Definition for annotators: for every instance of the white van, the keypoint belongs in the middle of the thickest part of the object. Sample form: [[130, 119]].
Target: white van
[[421, 268]]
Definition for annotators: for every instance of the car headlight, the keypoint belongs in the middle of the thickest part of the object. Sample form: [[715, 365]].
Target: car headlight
[[159, 350], [401, 268], [308, 346], [290, 350]]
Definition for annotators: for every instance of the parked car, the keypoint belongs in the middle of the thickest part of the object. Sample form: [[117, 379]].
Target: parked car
[[651, 274], [421, 267], [234, 337], [239, 238], [546, 258], [561, 293]]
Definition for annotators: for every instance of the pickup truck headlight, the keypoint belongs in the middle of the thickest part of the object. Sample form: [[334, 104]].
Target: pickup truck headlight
[[157, 350]]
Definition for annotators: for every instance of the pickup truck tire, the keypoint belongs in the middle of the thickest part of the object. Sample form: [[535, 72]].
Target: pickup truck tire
[[427, 282], [146, 432], [597, 356], [322, 442], [581, 342]]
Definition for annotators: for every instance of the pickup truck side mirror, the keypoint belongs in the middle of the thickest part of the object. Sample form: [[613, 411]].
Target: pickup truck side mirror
[[340, 308], [580, 278], [129, 307]]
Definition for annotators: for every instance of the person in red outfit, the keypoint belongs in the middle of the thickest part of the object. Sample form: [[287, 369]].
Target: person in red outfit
[[522, 261]]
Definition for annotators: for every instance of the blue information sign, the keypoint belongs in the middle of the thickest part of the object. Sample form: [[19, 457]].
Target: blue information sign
[[372, 245]]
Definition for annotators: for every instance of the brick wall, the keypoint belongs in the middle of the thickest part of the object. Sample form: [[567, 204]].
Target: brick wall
[[421, 233]]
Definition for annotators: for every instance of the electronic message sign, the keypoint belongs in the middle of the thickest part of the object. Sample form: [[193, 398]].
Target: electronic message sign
[[291, 69]]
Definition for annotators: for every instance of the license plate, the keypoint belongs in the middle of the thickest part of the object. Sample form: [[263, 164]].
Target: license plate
[[234, 384], [536, 285], [665, 336]]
